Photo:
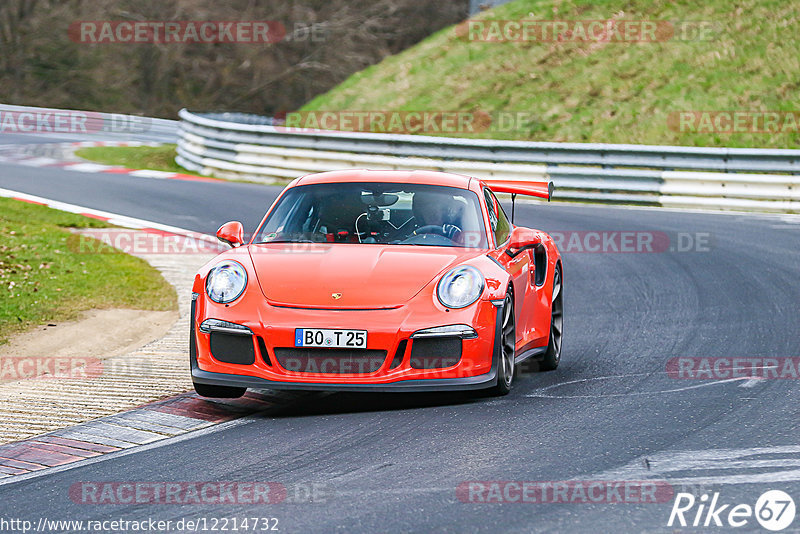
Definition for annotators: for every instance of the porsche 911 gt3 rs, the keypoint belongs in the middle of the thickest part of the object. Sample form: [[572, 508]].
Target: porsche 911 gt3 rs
[[382, 281]]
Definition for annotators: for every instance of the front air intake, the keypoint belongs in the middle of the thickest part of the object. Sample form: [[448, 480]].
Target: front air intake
[[236, 349], [435, 352]]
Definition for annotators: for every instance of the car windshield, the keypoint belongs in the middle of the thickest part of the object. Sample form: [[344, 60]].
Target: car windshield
[[382, 213]]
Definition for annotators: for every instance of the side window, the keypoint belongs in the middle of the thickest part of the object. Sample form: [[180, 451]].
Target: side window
[[491, 209], [497, 218]]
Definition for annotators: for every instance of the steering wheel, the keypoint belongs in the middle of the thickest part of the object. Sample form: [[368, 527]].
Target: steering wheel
[[446, 230]]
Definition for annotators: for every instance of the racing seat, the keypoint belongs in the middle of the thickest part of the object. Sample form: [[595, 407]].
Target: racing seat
[[338, 217]]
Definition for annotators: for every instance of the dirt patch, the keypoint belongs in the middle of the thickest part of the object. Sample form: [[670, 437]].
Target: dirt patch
[[99, 334]]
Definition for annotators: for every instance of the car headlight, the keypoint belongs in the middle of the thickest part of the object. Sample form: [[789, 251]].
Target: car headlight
[[226, 282], [460, 287]]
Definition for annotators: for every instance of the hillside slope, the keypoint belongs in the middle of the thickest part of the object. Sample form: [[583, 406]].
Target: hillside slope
[[610, 92]]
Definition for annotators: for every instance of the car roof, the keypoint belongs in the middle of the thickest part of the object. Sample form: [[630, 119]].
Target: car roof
[[387, 176]]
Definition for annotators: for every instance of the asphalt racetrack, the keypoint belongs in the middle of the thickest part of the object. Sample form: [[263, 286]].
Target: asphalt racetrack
[[720, 286]]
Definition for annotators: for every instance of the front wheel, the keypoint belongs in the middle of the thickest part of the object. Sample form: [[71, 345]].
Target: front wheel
[[218, 392], [508, 340], [552, 357]]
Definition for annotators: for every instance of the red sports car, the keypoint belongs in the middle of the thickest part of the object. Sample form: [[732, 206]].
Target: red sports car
[[380, 281]]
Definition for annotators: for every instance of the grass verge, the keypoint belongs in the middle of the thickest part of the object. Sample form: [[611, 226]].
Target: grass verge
[[42, 279], [154, 158], [604, 92], [160, 158]]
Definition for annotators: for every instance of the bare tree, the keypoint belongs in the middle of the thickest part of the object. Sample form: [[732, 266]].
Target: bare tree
[[325, 42]]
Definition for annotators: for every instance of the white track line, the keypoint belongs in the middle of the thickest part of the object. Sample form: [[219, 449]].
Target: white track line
[[752, 382], [112, 218]]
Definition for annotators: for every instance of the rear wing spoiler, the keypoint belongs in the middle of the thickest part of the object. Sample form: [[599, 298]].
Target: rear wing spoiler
[[515, 187]]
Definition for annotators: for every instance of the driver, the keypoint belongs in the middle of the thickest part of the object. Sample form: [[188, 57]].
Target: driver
[[436, 212]]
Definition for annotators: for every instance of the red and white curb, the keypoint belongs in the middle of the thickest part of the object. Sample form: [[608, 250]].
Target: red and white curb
[[10, 154], [111, 218], [157, 421]]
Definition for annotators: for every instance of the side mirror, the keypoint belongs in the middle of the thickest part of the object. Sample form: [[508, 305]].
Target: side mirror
[[523, 237], [231, 233]]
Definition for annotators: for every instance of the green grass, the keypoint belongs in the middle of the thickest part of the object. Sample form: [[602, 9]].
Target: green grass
[[599, 92], [160, 158], [155, 158], [44, 277]]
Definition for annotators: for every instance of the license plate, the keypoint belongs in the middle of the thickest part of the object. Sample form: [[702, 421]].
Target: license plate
[[334, 339]]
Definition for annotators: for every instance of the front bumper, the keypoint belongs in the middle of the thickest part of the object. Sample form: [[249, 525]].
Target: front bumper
[[477, 368]]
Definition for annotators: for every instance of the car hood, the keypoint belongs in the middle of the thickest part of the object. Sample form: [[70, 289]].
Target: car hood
[[366, 276]]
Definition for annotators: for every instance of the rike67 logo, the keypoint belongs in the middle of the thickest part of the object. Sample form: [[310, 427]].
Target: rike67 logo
[[774, 510]]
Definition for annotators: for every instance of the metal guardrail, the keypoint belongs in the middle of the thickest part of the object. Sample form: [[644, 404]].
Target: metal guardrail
[[235, 145]]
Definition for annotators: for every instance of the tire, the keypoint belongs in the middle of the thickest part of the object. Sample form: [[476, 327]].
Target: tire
[[218, 392], [508, 339], [552, 357]]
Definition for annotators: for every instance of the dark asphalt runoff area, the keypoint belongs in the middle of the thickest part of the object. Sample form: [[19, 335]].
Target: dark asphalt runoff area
[[729, 288]]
